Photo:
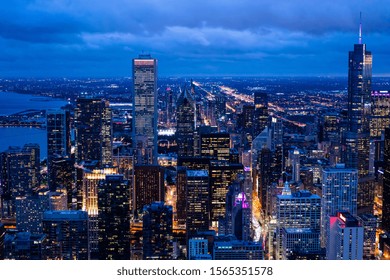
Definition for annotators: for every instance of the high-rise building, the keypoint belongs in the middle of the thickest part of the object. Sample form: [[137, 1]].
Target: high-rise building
[[299, 241], [198, 201], [369, 222], [149, 185], [61, 177], [67, 235], [58, 138], [386, 184], [20, 169], [145, 109], [339, 193], [93, 130], [114, 218], [215, 145], [222, 174], [359, 103], [29, 212], [185, 116], [261, 113], [300, 209], [157, 231], [344, 238], [380, 113]]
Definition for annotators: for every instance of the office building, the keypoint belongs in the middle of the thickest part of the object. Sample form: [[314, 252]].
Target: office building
[[185, 117], [237, 250], [300, 209], [145, 109], [299, 241], [215, 145], [261, 113], [339, 193], [67, 235], [93, 130], [58, 139], [61, 177], [222, 174], [157, 231], [369, 224], [114, 218], [25, 246], [198, 201], [345, 238], [380, 113], [149, 185], [29, 212]]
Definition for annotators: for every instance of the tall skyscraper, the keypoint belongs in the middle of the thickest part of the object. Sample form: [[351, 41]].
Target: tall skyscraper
[[114, 218], [20, 169], [339, 193], [198, 201], [93, 130], [145, 109], [380, 117], [29, 212], [386, 184], [261, 113], [157, 231], [185, 124], [222, 174], [58, 138], [359, 103], [67, 235]]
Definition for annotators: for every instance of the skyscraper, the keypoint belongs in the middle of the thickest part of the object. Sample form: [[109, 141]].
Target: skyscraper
[[157, 231], [114, 218], [359, 99], [198, 201], [93, 130], [386, 184], [339, 193], [215, 145], [58, 137], [149, 185], [67, 235], [145, 109], [261, 113], [185, 124]]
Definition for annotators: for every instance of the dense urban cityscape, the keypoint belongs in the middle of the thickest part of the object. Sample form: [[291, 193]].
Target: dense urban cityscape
[[198, 168]]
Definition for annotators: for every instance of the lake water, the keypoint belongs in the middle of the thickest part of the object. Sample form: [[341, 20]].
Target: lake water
[[11, 103]]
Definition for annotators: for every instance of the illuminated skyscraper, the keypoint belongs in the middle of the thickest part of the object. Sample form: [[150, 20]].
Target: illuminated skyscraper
[[261, 113], [93, 130], [380, 117], [359, 104], [145, 109], [198, 201], [58, 138], [185, 124], [215, 145], [67, 235], [114, 218]]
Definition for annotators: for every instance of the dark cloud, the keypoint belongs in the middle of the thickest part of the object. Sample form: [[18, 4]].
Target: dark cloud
[[216, 36]]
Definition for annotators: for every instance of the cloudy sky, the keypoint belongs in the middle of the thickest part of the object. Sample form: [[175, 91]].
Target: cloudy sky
[[98, 38]]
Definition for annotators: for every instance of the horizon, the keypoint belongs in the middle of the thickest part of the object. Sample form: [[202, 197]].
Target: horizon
[[224, 38]]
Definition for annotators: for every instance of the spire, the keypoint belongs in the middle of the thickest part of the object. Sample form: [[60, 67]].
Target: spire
[[360, 29]]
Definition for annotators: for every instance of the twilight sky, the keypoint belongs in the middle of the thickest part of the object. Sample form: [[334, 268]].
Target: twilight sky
[[98, 38]]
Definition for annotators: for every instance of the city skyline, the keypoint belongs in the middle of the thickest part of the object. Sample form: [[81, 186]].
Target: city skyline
[[75, 39]]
